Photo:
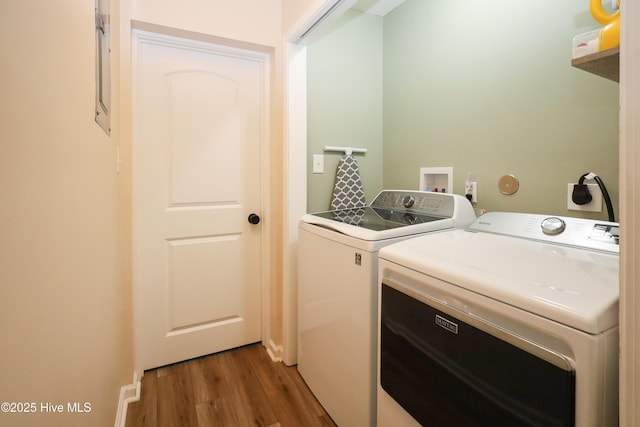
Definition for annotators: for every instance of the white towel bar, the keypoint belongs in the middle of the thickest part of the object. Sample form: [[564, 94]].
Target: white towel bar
[[346, 150]]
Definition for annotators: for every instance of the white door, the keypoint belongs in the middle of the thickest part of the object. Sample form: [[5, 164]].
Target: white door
[[199, 127]]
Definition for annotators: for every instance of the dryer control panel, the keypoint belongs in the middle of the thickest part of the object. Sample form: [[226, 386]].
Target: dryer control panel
[[577, 232]]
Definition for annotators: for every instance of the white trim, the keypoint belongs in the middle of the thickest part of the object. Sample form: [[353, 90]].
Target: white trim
[[295, 191], [136, 295], [629, 214], [265, 194], [323, 17], [274, 351], [128, 393]]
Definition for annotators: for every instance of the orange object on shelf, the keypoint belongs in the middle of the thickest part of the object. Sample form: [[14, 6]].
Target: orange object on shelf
[[609, 35]]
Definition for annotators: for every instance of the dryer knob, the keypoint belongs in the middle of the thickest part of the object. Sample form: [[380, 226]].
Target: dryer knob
[[552, 226], [408, 201]]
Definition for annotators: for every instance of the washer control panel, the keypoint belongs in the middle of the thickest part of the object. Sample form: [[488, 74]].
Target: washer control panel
[[408, 201], [578, 232], [421, 202]]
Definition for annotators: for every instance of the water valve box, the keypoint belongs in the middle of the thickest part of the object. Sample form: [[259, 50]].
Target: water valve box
[[436, 179]]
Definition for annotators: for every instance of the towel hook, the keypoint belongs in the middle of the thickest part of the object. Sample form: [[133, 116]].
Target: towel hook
[[346, 150]]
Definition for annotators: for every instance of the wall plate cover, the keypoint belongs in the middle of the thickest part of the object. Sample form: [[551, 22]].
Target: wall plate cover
[[472, 189], [318, 163], [595, 205]]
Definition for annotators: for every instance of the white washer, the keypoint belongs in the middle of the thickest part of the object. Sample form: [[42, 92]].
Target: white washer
[[337, 298], [512, 322]]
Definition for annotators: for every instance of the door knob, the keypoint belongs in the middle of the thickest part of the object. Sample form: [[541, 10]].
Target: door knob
[[253, 218]]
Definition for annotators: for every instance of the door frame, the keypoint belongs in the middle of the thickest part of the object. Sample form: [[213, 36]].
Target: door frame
[[315, 19], [294, 191], [629, 179], [142, 31]]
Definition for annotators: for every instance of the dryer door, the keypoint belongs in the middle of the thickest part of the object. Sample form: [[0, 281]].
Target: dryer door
[[448, 368]]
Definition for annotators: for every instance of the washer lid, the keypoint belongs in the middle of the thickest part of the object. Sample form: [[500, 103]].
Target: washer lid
[[572, 286], [368, 225], [398, 213]]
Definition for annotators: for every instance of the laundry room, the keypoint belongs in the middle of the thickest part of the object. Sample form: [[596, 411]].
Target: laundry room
[[436, 97], [484, 88]]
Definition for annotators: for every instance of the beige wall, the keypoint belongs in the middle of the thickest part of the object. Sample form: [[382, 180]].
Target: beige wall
[[247, 20], [65, 279], [60, 293], [295, 12]]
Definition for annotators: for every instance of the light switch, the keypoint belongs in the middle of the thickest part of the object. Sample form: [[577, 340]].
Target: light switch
[[318, 163]]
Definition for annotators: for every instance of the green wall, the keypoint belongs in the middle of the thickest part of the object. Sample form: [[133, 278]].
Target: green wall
[[485, 87], [344, 97]]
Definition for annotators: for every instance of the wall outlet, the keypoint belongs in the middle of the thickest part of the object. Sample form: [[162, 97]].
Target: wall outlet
[[595, 205], [471, 188], [318, 163]]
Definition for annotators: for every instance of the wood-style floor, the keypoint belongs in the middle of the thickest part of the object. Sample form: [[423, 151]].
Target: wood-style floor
[[240, 387]]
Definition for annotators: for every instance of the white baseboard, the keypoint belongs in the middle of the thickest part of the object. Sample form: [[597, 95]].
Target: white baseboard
[[274, 351], [131, 392], [128, 393]]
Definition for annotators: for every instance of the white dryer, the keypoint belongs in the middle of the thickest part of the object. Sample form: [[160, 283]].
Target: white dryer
[[512, 322], [337, 292]]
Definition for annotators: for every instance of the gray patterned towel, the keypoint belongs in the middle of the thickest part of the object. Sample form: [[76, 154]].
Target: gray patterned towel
[[347, 192]]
